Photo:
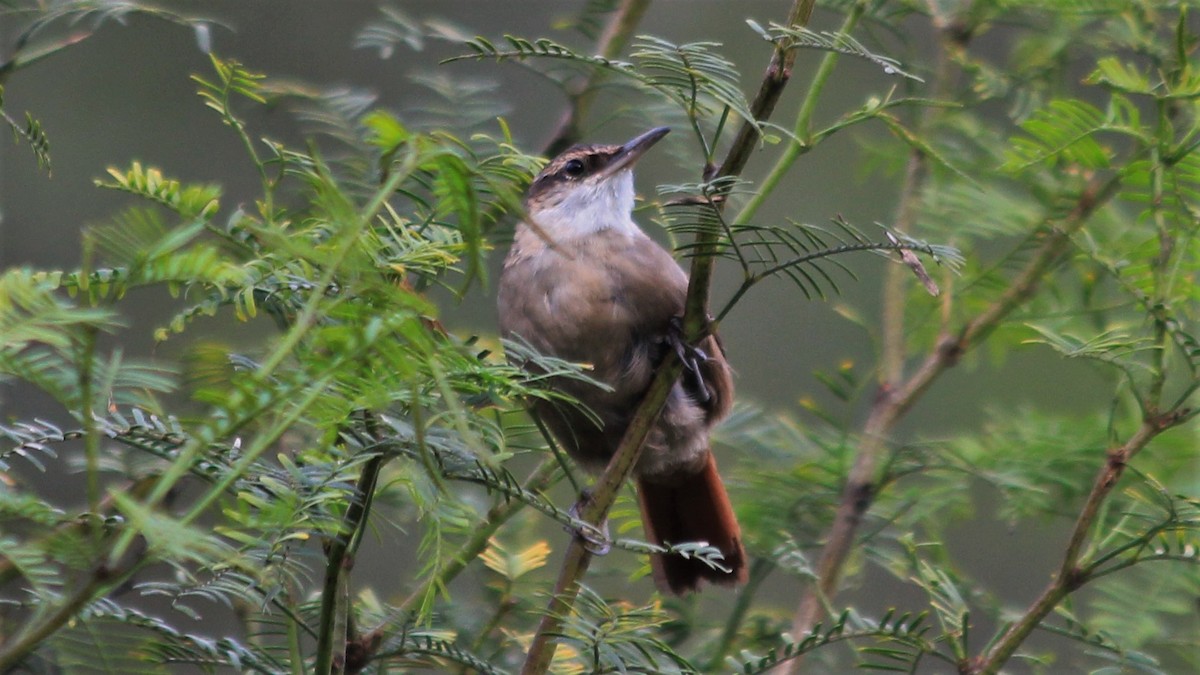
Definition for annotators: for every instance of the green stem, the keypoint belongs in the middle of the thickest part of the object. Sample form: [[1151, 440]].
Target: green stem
[[1160, 267], [803, 125], [87, 414], [760, 569], [295, 654], [338, 558]]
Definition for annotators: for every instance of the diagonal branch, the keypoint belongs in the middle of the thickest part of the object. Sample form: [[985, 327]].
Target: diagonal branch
[[1070, 575], [616, 35], [366, 646]]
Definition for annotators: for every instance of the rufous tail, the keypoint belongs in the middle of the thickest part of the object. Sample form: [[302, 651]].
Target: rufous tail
[[692, 509]]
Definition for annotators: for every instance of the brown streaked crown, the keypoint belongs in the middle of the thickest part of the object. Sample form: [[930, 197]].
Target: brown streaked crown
[[574, 164], [581, 162]]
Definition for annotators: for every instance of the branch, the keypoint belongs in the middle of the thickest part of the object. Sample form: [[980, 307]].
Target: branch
[[617, 32], [1070, 576], [951, 41], [540, 479], [594, 511], [339, 558], [695, 322], [894, 401], [101, 580], [802, 129], [136, 488]]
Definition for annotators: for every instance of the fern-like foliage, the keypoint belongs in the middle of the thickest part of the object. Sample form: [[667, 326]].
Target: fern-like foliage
[[393, 28], [115, 638], [899, 639], [700, 81], [54, 27], [31, 132], [619, 637], [703, 83], [192, 201], [799, 37], [241, 484], [803, 254], [1067, 132]]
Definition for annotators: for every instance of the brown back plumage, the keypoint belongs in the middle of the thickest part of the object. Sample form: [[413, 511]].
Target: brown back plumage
[[582, 282]]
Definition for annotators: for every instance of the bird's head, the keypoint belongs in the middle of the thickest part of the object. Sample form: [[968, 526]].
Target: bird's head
[[588, 188]]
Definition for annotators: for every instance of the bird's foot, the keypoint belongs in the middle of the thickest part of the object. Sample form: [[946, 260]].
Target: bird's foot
[[690, 356], [595, 538]]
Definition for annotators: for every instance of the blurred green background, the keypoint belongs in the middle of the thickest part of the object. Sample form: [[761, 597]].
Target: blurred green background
[[125, 95]]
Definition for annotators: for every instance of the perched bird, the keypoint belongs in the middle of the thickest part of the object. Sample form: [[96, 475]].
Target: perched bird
[[582, 282]]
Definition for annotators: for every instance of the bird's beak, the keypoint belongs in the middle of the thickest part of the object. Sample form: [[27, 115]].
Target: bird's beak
[[632, 151]]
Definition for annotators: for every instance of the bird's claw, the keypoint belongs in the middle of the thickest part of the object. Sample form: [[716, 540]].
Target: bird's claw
[[690, 356], [595, 542]]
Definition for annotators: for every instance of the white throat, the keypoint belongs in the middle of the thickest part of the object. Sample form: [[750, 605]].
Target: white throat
[[588, 207]]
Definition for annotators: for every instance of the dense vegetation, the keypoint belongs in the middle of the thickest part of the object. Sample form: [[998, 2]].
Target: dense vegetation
[[1032, 207]]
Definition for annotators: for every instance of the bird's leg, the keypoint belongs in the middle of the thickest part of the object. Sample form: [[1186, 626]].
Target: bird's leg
[[595, 539], [690, 356]]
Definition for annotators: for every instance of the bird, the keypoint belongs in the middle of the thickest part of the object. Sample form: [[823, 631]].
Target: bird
[[582, 282]]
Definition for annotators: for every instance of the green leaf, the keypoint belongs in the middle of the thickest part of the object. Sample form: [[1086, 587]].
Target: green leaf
[[169, 539], [1126, 78], [193, 201]]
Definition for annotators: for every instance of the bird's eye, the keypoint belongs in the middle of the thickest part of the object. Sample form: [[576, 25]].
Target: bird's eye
[[573, 168]]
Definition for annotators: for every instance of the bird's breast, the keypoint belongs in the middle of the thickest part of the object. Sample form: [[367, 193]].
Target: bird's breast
[[592, 300]]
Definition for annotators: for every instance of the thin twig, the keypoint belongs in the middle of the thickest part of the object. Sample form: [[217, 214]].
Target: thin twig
[[760, 569], [802, 128], [91, 436], [540, 479], [100, 581], [751, 280], [893, 353], [891, 373], [1070, 575]]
